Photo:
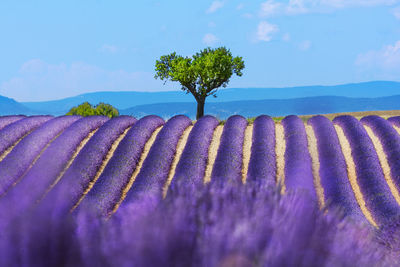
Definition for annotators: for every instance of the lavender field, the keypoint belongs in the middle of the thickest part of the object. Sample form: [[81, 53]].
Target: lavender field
[[96, 191]]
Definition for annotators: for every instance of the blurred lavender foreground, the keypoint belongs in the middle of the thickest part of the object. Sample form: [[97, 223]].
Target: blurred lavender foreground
[[237, 225]]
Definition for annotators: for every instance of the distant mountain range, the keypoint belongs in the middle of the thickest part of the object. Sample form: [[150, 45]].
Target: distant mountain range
[[272, 107], [124, 100], [9, 106], [244, 101]]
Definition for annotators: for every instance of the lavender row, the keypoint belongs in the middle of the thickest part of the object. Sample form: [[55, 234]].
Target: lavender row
[[192, 164], [14, 131], [333, 168], [390, 141], [67, 192], [378, 198], [108, 189], [156, 166], [245, 225], [262, 165], [6, 120], [51, 163], [395, 121], [15, 164], [228, 163], [298, 170]]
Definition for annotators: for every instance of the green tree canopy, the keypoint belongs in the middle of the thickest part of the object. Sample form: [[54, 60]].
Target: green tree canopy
[[202, 74], [86, 109]]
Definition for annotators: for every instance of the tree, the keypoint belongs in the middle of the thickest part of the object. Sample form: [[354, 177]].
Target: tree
[[202, 74], [106, 110], [86, 109]]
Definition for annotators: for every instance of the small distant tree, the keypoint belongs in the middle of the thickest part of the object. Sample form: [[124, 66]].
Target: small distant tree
[[202, 74], [86, 109], [106, 110]]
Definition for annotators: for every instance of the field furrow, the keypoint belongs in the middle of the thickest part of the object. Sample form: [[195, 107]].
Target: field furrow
[[212, 152], [315, 165], [247, 144], [191, 168], [352, 174], [333, 171], [280, 148], [179, 150], [52, 162], [298, 170], [155, 168], [228, 163], [387, 145], [110, 188], [10, 148], [79, 178], [370, 178], [16, 164], [6, 120], [12, 133], [262, 164], [104, 163], [69, 162]]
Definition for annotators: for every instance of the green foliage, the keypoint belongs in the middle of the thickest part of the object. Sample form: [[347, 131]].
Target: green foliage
[[278, 119], [106, 110], [251, 120], [202, 74], [86, 109]]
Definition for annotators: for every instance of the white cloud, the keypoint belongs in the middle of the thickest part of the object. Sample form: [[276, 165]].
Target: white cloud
[[294, 7], [215, 6], [265, 31], [286, 37], [247, 15], [354, 3], [106, 48], [240, 6], [388, 57], [211, 24], [297, 7], [210, 39], [38, 80], [305, 45], [269, 8], [396, 12], [384, 62]]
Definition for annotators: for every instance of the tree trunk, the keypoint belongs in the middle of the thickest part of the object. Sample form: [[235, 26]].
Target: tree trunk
[[200, 108]]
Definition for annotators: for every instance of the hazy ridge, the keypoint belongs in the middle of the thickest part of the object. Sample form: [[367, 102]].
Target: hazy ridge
[[377, 95]]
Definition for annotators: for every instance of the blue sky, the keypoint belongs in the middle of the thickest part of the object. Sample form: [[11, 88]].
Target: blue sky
[[55, 49]]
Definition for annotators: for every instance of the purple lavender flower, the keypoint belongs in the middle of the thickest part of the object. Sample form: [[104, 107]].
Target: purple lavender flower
[[390, 141], [192, 165], [155, 168], [395, 120], [83, 169], [6, 120], [262, 165], [108, 189], [228, 163], [298, 170], [333, 168], [15, 164], [14, 131], [378, 198], [51, 163], [234, 225]]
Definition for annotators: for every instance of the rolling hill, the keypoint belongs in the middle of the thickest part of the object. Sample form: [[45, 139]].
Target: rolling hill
[[125, 100], [9, 106], [272, 107]]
